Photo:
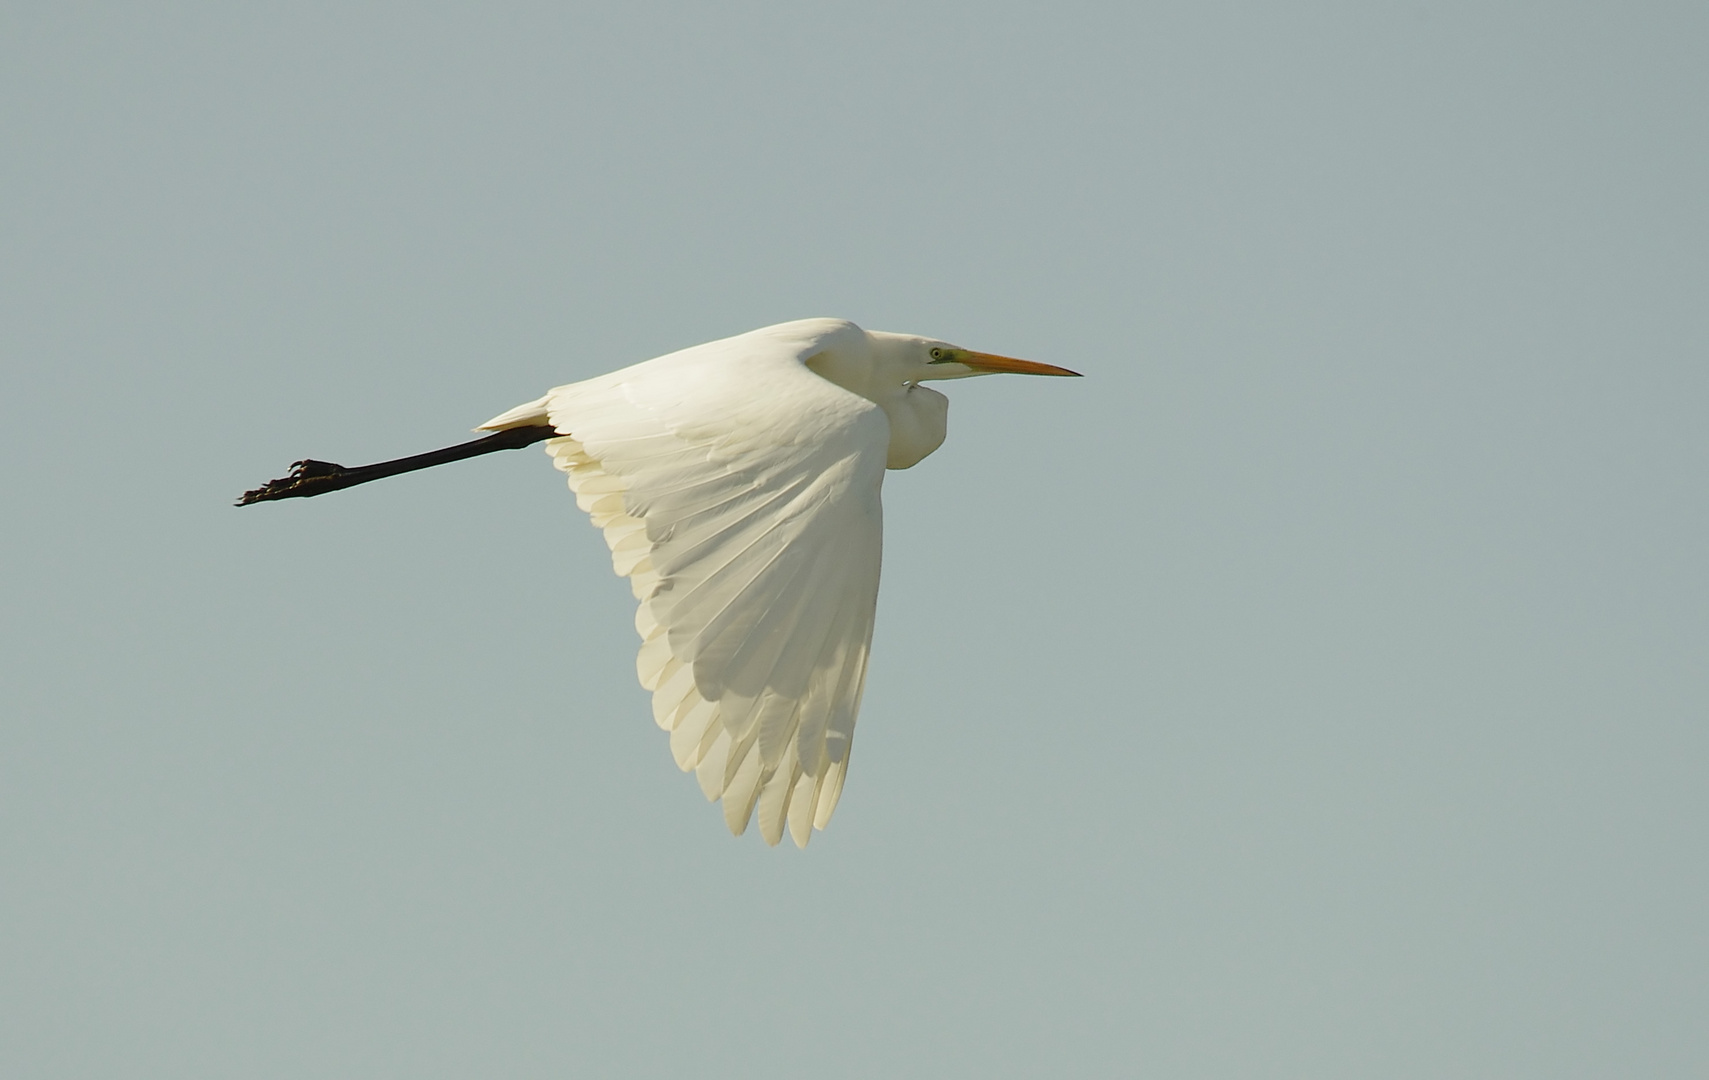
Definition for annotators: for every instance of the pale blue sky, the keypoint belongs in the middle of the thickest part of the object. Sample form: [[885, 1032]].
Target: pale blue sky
[[1315, 690]]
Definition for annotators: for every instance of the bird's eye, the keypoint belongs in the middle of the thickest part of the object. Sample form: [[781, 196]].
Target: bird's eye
[[937, 354]]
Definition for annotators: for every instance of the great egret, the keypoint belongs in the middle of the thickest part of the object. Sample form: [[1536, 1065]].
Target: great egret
[[737, 484]]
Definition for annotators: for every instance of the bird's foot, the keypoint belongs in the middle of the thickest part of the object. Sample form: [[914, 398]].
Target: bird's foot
[[307, 478]]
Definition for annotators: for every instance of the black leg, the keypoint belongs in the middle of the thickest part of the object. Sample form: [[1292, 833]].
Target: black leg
[[309, 477]]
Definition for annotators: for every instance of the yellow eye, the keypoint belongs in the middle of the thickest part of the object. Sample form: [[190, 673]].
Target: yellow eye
[[937, 354]]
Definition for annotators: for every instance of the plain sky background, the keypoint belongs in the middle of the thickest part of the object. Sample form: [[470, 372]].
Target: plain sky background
[[1317, 689]]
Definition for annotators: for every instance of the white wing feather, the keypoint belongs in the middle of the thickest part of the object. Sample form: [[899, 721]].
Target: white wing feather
[[739, 493]]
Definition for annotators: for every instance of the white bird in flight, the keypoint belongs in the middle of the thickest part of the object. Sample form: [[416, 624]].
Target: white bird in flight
[[737, 484]]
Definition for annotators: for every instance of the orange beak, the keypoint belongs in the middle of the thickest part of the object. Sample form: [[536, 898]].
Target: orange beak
[[1008, 365]]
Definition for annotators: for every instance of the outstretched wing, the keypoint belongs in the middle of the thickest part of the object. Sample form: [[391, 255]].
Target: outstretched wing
[[739, 493]]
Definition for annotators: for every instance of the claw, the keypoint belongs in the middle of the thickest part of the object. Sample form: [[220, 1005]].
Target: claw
[[301, 483]]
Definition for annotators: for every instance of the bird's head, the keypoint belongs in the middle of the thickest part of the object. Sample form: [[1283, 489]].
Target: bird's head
[[887, 369]]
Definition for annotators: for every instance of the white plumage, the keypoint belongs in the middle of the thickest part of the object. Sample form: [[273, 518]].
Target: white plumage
[[737, 484]]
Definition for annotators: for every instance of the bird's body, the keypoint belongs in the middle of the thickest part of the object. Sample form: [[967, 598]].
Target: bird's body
[[737, 484]]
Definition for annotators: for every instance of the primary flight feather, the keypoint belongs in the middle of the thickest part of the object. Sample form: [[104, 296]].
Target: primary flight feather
[[737, 485]]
